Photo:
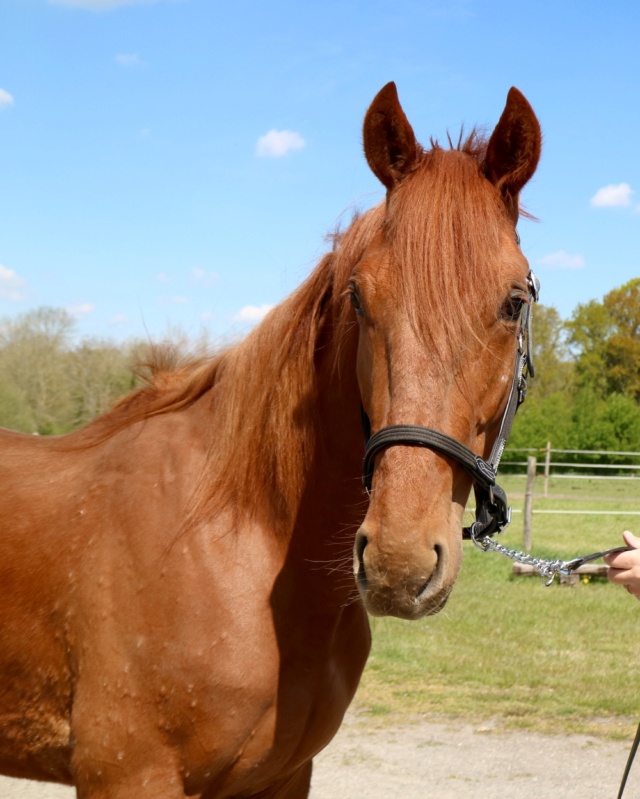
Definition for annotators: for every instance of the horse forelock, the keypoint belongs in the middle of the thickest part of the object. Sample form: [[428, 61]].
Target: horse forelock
[[444, 228]]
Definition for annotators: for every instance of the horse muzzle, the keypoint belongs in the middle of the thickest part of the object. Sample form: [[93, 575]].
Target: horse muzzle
[[407, 584]]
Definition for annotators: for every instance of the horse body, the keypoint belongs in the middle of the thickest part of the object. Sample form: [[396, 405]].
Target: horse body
[[179, 615], [124, 658]]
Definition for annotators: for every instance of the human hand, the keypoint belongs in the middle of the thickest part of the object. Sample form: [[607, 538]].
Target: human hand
[[624, 567]]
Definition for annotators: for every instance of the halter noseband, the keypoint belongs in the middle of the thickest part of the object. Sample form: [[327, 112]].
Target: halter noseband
[[492, 511]]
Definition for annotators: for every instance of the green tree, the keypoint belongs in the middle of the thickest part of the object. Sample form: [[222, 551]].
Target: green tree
[[622, 349], [606, 339], [99, 374], [34, 351], [51, 384], [15, 412], [554, 367], [623, 414], [542, 420]]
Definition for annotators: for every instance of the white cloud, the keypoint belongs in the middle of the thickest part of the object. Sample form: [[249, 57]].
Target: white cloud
[[128, 60], [119, 319], [562, 260], [277, 143], [6, 99], [203, 278], [252, 313], [98, 5], [173, 299], [10, 285], [613, 196], [162, 277], [82, 309]]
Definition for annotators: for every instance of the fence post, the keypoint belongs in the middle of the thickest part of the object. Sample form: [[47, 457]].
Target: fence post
[[547, 468], [528, 503]]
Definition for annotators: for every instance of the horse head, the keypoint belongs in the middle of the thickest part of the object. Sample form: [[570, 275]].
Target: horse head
[[438, 295]]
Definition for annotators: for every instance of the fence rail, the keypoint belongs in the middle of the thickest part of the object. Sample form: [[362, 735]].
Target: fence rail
[[550, 464], [584, 465], [549, 448], [582, 512]]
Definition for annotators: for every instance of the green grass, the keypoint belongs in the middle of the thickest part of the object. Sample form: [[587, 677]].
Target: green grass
[[508, 648]]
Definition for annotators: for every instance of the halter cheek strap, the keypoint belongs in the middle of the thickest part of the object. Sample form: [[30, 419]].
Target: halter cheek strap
[[492, 511]]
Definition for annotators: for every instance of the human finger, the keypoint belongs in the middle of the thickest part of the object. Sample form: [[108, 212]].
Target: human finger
[[619, 576], [625, 560]]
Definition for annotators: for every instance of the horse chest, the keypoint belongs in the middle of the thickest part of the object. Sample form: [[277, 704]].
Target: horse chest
[[275, 720]]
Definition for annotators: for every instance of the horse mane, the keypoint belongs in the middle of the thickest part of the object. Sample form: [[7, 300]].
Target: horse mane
[[263, 389]]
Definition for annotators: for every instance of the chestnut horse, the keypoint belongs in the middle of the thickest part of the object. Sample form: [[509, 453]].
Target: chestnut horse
[[178, 612]]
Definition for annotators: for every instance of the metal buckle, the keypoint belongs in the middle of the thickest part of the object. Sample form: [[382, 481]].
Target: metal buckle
[[534, 285]]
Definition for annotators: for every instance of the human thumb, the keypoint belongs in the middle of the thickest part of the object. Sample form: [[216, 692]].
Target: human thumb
[[631, 539]]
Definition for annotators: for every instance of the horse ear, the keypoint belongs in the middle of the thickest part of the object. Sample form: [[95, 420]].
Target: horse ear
[[390, 145], [513, 151]]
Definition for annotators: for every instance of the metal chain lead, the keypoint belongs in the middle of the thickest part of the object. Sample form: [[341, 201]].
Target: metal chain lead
[[547, 569]]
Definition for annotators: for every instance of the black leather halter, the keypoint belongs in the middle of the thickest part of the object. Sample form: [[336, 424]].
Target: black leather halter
[[492, 512]]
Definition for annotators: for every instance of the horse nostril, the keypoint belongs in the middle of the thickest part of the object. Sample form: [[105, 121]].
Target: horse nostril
[[361, 545], [358, 560], [437, 566]]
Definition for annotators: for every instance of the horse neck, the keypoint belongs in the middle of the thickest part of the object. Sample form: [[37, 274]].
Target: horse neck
[[286, 407], [330, 504], [339, 433], [333, 503]]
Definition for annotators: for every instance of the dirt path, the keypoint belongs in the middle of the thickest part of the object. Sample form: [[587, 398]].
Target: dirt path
[[427, 760]]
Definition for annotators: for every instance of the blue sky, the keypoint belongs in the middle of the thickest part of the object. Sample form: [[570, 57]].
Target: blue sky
[[179, 162]]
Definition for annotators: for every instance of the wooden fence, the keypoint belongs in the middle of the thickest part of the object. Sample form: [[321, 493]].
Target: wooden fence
[[532, 472], [565, 469], [551, 468]]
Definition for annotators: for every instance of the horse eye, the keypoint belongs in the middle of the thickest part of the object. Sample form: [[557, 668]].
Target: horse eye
[[355, 300], [512, 308]]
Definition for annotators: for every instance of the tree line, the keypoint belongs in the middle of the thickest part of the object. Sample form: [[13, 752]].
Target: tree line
[[48, 384], [51, 384], [586, 393]]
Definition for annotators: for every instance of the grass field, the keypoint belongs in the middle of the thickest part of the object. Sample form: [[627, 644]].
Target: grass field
[[508, 648]]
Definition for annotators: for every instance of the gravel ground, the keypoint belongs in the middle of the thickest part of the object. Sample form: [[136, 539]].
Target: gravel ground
[[428, 760]]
